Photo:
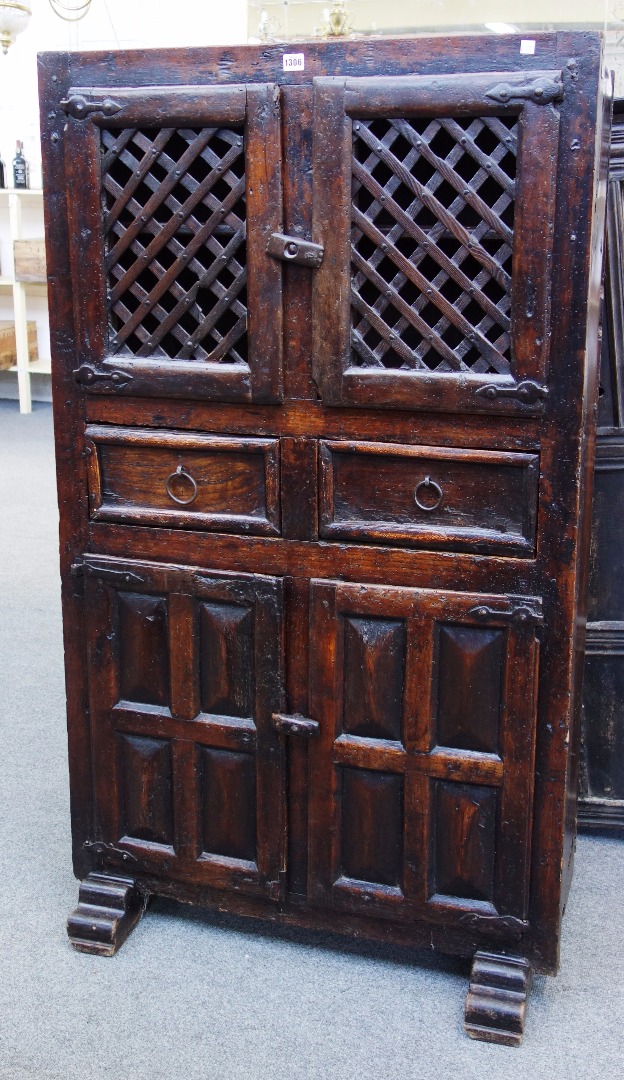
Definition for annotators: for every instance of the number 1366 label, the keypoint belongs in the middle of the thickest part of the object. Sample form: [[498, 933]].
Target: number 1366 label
[[293, 61]]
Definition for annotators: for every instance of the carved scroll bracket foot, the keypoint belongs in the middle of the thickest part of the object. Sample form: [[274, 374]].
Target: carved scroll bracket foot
[[109, 907], [497, 998]]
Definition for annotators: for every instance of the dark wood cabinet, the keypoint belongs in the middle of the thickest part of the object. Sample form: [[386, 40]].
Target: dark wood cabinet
[[601, 802], [325, 370]]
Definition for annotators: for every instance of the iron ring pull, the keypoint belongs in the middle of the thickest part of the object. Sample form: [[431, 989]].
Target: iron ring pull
[[181, 472], [431, 486]]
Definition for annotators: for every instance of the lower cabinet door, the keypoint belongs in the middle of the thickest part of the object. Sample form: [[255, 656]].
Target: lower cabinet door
[[185, 671], [421, 776]]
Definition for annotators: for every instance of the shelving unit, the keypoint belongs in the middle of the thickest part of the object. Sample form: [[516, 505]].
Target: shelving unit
[[16, 200]]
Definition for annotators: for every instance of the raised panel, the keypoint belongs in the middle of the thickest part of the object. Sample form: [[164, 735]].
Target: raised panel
[[226, 652], [469, 687], [464, 840], [143, 649], [372, 826], [228, 804], [147, 788], [374, 675]]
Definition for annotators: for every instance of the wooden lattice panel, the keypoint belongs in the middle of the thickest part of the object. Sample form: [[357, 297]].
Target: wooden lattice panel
[[174, 222], [431, 243]]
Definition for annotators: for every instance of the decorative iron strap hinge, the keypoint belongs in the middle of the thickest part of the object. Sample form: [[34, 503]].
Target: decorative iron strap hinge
[[80, 107], [542, 91], [293, 249], [121, 577], [108, 851], [87, 375], [518, 615], [527, 392], [294, 724]]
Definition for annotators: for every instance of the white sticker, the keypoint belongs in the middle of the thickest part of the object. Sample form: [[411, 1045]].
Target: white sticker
[[527, 47], [293, 61]]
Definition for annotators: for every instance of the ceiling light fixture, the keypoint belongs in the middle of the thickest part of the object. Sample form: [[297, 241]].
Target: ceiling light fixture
[[70, 12], [14, 17]]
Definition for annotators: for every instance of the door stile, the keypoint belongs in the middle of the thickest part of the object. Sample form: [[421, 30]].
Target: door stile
[[270, 756], [534, 221], [86, 242], [264, 217], [417, 736], [326, 650], [518, 753], [331, 200], [104, 691]]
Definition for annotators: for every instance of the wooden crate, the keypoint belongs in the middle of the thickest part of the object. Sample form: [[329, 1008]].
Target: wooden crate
[[8, 351], [29, 258]]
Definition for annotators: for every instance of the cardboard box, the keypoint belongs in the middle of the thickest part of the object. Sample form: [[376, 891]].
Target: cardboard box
[[30, 261], [8, 352]]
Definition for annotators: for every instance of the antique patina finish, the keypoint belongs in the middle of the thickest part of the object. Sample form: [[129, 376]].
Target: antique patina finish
[[601, 787], [325, 373]]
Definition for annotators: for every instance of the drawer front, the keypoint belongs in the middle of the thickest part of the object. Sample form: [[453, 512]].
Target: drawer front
[[171, 478], [480, 501]]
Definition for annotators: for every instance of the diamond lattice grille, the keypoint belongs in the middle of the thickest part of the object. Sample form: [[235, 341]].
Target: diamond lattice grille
[[174, 221], [431, 243]]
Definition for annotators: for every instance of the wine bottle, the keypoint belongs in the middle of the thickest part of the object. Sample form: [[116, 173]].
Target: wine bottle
[[2, 174], [20, 167]]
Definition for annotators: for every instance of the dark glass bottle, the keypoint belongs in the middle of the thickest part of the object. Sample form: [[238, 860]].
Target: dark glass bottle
[[2, 174], [20, 168]]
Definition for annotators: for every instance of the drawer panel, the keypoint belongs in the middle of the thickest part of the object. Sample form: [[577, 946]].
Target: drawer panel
[[170, 478], [480, 501]]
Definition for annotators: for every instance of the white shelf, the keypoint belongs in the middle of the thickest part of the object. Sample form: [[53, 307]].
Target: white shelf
[[13, 200], [24, 193], [35, 367]]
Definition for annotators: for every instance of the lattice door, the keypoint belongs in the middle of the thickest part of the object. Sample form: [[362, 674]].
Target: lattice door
[[434, 292], [179, 192]]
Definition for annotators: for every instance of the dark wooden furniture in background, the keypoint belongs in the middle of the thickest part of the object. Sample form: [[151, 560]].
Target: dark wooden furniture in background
[[601, 787], [325, 366]]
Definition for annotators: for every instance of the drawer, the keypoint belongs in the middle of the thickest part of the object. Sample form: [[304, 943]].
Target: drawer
[[481, 501], [189, 480]]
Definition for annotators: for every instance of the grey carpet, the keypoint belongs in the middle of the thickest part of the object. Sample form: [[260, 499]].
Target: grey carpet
[[194, 998]]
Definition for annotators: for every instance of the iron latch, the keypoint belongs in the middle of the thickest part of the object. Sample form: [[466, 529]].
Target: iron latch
[[294, 724], [293, 249]]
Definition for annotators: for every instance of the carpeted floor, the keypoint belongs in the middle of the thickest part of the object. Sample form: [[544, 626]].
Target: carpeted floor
[[190, 998]]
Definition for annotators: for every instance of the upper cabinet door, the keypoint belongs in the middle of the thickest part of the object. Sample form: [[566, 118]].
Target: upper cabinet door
[[434, 203], [175, 193]]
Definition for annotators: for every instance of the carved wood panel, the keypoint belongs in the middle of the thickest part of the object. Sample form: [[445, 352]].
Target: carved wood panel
[[421, 777], [185, 672]]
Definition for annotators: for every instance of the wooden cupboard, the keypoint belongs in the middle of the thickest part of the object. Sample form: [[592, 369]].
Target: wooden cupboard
[[325, 371], [601, 785]]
